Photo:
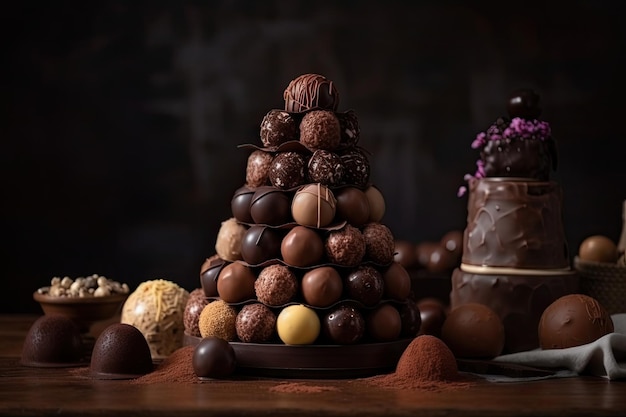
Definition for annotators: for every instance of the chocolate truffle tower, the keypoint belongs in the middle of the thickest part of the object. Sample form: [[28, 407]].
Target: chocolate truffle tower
[[515, 255], [306, 231]]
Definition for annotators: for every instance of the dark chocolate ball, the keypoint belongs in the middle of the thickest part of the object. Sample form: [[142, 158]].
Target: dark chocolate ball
[[379, 243], [276, 285], [343, 325], [320, 129], [214, 357], [397, 282], [302, 247], [260, 244], [350, 130], [240, 204], [270, 206], [322, 286], [288, 170], [311, 91], [325, 167], [278, 126], [404, 253], [473, 330], [209, 272], [120, 352], [352, 206], [255, 323], [384, 323], [235, 283], [52, 340], [356, 167], [365, 284], [524, 103], [258, 168], [345, 246], [195, 303], [432, 314], [410, 316]]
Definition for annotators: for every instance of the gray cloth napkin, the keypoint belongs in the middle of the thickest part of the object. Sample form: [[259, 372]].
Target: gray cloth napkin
[[606, 357]]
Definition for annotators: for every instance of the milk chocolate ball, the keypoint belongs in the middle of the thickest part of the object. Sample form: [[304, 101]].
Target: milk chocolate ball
[[302, 247], [379, 243], [287, 170], [276, 285], [356, 167], [404, 253], [377, 203], [352, 206], [235, 283], [277, 127], [524, 103], [365, 285], [322, 286], [240, 204], [598, 248], [573, 320], [214, 357], [441, 260], [311, 91], [314, 205], [384, 323], [397, 282], [473, 331], [255, 323], [320, 129], [343, 325], [325, 167], [345, 246], [270, 206], [261, 244], [258, 168]]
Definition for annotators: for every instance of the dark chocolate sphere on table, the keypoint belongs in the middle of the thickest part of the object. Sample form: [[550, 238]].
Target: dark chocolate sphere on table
[[302, 247], [120, 352], [277, 127], [287, 170], [325, 167], [352, 206], [214, 357], [365, 285], [473, 330], [240, 204], [322, 286], [260, 244], [270, 206], [52, 341], [524, 103], [343, 325], [310, 91], [235, 283]]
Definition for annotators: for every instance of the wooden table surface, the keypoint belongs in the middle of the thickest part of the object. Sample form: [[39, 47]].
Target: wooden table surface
[[62, 392]]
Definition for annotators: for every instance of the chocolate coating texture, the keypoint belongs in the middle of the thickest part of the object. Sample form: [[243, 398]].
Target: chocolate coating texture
[[261, 244], [320, 129], [214, 358], [343, 325], [345, 246], [322, 286], [52, 340], [356, 167], [325, 167], [209, 272], [352, 206], [573, 320], [397, 282], [311, 91], [235, 283], [276, 285], [240, 204], [270, 206], [258, 168], [384, 323], [314, 205], [350, 129], [120, 352], [195, 304], [255, 323], [379, 243], [287, 170], [218, 319], [365, 285], [302, 247], [277, 127], [473, 331]]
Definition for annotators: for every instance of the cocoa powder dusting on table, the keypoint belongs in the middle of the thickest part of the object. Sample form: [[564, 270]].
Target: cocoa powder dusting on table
[[301, 388], [178, 367]]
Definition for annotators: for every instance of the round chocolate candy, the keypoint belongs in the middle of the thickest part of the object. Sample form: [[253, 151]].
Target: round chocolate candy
[[218, 319], [260, 244], [258, 168], [191, 315], [343, 325], [441, 260], [379, 243], [453, 242], [397, 282], [276, 285], [287, 170], [322, 286], [240, 204], [314, 205], [255, 323], [524, 103], [270, 206], [302, 247], [214, 357], [53, 341], [365, 285], [384, 323], [278, 127], [209, 272], [235, 283], [120, 352], [356, 167], [320, 129], [432, 314], [345, 246], [350, 130], [473, 330], [298, 325], [598, 248], [352, 206], [377, 203], [411, 318], [404, 253], [228, 241], [311, 91], [325, 167], [423, 250]]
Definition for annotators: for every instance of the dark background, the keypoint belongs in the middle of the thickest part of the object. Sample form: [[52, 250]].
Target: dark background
[[121, 119]]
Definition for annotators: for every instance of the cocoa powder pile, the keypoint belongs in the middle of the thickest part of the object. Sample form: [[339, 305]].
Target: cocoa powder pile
[[177, 367]]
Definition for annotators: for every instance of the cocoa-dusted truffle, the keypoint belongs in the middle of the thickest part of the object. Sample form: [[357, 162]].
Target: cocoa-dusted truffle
[[270, 206], [364, 284], [314, 205], [573, 320], [235, 283], [356, 167], [287, 170], [195, 304], [213, 357], [52, 341], [350, 130], [258, 168], [352, 206], [276, 285], [325, 167], [473, 331], [240, 204], [302, 247], [256, 323], [260, 244], [345, 246], [209, 271], [377, 203], [120, 352], [228, 241], [343, 325], [397, 282], [322, 286], [310, 91], [218, 319], [379, 243], [278, 127], [319, 129], [384, 323]]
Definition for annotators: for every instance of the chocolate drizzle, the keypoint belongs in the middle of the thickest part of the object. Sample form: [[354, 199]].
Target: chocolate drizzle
[[311, 91]]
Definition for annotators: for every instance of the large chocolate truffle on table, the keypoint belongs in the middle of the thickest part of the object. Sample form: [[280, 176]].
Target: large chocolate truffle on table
[[213, 357], [365, 284], [310, 91], [343, 325], [345, 246], [314, 205], [473, 330], [255, 323], [278, 127], [240, 204], [260, 244], [573, 320], [287, 170], [356, 167], [352, 206], [209, 272], [322, 286], [52, 341], [302, 247], [319, 129], [326, 168], [350, 130], [379, 243], [258, 168], [270, 206], [235, 283], [384, 323], [276, 285], [195, 304], [120, 352]]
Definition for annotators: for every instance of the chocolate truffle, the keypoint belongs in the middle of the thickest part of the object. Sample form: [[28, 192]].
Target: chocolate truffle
[[350, 130], [441, 260], [321, 287], [310, 91], [343, 325], [345, 246], [524, 103], [302, 247], [258, 168], [298, 325], [365, 285], [379, 243], [213, 358], [473, 330], [195, 304], [218, 319], [598, 248], [228, 241], [356, 167], [261, 244], [411, 318], [278, 127], [423, 250], [352, 206], [314, 205], [433, 314], [209, 271], [384, 323], [573, 320], [377, 203], [319, 129], [453, 242], [270, 206], [276, 285], [397, 282], [240, 204], [52, 341], [287, 170], [235, 283], [120, 352], [325, 167], [404, 253], [255, 323]]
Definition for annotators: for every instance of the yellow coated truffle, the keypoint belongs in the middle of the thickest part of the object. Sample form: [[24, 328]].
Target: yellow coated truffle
[[298, 325], [218, 319]]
